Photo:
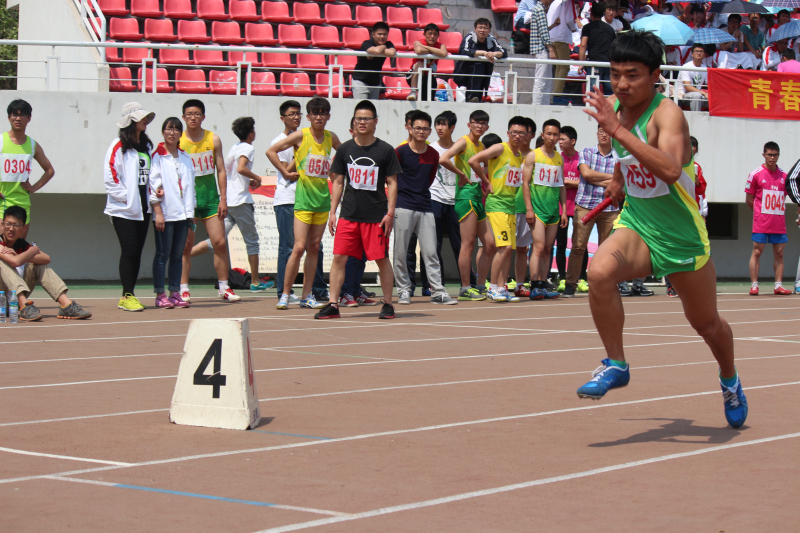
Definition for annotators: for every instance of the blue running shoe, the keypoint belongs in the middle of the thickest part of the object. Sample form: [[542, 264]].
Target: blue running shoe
[[550, 295], [262, 286], [510, 297], [605, 378], [311, 303], [537, 294], [735, 404], [497, 296]]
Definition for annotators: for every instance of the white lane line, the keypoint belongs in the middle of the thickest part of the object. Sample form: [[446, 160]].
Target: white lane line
[[85, 358], [525, 485], [82, 417], [390, 433], [68, 457], [83, 382]]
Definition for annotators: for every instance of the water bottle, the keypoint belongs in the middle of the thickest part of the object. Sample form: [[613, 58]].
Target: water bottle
[[3, 306], [13, 308], [511, 49]]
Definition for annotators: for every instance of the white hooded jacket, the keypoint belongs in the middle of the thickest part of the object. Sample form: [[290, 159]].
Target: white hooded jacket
[[121, 178], [176, 177]]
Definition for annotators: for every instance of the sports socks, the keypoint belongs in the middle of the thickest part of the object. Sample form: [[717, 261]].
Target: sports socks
[[778, 284], [729, 382], [466, 288], [492, 287], [223, 285], [184, 287], [754, 284], [618, 364]]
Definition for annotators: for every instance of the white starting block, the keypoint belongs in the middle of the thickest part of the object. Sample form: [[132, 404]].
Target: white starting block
[[216, 387]]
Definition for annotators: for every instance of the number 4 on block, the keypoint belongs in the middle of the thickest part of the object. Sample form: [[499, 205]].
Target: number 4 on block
[[215, 386]]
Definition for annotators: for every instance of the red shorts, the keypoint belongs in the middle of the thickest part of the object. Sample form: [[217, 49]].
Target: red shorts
[[357, 238]]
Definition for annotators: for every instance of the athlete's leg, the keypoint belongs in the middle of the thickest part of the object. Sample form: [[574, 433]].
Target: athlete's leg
[[202, 247], [387, 278], [187, 256], [543, 237], [216, 232], [500, 265], [336, 276], [758, 249], [485, 259], [312, 256], [301, 232], [698, 293], [469, 229], [624, 255], [547, 256], [521, 264], [777, 252]]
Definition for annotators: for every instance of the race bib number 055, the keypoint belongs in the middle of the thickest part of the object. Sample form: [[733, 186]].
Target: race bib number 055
[[363, 177], [641, 183], [773, 202], [514, 177], [547, 175], [318, 166]]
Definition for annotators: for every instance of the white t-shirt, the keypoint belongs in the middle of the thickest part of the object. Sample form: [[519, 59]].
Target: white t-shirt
[[615, 23], [561, 9], [238, 185], [443, 188], [284, 190], [699, 80]]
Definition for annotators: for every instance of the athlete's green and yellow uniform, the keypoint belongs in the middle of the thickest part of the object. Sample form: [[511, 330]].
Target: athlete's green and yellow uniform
[[469, 198], [15, 169], [313, 160], [505, 173], [205, 175], [665, 216], [546, 183]]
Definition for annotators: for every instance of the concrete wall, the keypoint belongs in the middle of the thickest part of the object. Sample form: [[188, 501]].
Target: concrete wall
[[76, 129]]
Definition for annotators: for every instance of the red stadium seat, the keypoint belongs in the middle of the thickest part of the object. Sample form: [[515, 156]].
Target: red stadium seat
[[174, 57], [127, 29], [404, 63], [191, 81], [325, 37], [112, 54], [418, 3], [367, 16], [307, 13], [234, 58], [120, 80], [226, 33], [412, 36], [445, 66], [296, 84], [396, 87], [162, 83], [145, 8], [277, 60], [211, 10], [260, 34], [340, 15], [431, 16], [400, 17], [243, 10], [276, 12], [396, 38], [209, 58], [385, 2], [348, 62], [192, 31], [451, 40], [135, 55], [311, 62], [223, 82], [504, 6], [263, 84], [178, 9], [292, 35], [322, 86], [159, 30], [353, 37], [113, 8], [387, 66]]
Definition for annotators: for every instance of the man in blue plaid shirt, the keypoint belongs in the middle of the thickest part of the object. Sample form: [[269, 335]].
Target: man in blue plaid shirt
[[542, 48], [597, 170]]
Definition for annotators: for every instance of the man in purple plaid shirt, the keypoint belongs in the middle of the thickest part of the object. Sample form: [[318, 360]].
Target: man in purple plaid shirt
[[597, 170]]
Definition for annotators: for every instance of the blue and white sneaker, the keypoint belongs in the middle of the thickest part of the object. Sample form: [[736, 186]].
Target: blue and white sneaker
[[735, 404], [537, 294], [550, 295], [605, 378], [497, 296], [311, 303], [510, 297], [283, 302]]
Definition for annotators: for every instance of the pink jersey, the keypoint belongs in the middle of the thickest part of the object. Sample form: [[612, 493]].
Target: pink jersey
[[571, 173], [769, 200]]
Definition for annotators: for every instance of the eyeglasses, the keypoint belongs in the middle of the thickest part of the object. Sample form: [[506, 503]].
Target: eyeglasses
[[193, 115], [363, 120], [172, 130], [481, 124], [775, 156], [10, 225], [518, 133], [319, 114], [293, 115], [417, 129], [18, 115]]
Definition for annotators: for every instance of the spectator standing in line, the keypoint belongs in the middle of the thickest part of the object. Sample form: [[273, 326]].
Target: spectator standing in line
[[766, 194], [773, 54], [694, 84], [789, 63], [572, 179], [698, 17], [522, 18], [541, 48], [475, 75], [561, 18], [734, 21], [367, 74], [609, 15], [754, 39], [596, 38], [430, 45]]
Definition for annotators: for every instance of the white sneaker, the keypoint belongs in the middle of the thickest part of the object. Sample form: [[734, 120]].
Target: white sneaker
[[283, 303], [294, 299], [405, 298], [444, 299], [186, 297], [229, 295]]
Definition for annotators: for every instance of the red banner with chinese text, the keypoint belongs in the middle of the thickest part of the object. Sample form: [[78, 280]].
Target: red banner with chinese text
[[753, 94]]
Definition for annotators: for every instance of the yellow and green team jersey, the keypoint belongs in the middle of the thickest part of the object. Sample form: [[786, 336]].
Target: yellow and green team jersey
[[546, 182], [505, 173], [15, 169], [665, 216], [472, 190], [202, 155], [313, 161]]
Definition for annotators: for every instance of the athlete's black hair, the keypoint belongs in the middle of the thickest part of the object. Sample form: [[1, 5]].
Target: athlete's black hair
[[539, 141], [491, 139], [420, 115], [637, 47], [694, 142], [243, 126], [784, 11], [772, 145], [518, 121], [318, 105], [570, 132], [366, 105], [380, 25], [483, 21], [479, 115], [735, 16], [698, 45], [20, 107], [287, 105], [194, 102], [598, 10], [551, 122], [532, 126], [408, 116], [128, 139], [430, 27], [612, 5], [16, 212], [448, 118]]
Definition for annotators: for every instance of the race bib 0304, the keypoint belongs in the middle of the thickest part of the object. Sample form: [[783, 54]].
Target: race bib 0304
[[514, 177], [547, 175], [15, 168], [363, 177], [641, 183], [318, 166], [203, 162], [773, 202]]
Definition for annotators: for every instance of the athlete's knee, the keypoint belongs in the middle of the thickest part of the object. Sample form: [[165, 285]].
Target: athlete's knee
[[218, 243], [602, 274], [757, 252], [778, 252], [706, 326], [312, 248]]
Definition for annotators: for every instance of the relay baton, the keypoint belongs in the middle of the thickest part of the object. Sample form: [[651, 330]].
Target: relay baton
[[596, 211]]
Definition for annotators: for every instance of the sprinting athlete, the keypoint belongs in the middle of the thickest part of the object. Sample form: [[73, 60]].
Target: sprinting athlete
[[469, 203], [312, 157], [660, 230], [205, 149], [503, 179], [524, 232], [17, 150], [543, 191]]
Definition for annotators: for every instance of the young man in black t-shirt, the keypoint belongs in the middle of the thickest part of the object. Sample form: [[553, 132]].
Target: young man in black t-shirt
[[368, 84], [596, 38], [368, 168]]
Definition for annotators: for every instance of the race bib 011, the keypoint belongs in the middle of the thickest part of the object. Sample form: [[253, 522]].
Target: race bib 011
[[641, 183], [547, 175], [363, 177], [773, 202], [203, 162], [514, 177], [318, 166]]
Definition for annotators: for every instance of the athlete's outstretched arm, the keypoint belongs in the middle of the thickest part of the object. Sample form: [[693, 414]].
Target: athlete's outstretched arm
[[337, 182]]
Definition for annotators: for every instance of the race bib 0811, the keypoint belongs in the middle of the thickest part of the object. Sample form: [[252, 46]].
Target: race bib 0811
[[363, 177]]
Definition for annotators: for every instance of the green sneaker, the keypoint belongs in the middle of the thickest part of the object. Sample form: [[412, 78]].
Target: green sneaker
[[129, 302], [583, 286], [73, 312], [487, 284], [562, 285], [512, 284], [471, 294]]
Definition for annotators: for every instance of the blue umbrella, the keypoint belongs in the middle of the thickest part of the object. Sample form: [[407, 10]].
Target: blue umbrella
[[671, 30], [776, 5], [712, 36], [787, 31]]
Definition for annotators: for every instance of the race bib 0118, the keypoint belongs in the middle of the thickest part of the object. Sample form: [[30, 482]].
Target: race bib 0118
[[318, 166], [514, 177], [363, 177], [773, 202], [547, 175]]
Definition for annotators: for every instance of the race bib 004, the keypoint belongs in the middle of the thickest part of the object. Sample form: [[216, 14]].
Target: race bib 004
[[773, 202], [641, 183], [318, 166], [547, 175], [363, 177], [514, 177], [203, 162]]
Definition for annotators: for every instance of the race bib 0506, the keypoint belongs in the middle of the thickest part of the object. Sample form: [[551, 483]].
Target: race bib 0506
[[363, 177]]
